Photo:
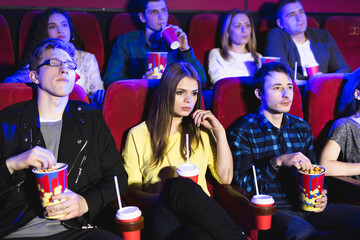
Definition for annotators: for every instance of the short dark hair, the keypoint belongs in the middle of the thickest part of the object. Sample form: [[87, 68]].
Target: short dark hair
[[282, 3], [139, 6], [265, 70], [49, 43]]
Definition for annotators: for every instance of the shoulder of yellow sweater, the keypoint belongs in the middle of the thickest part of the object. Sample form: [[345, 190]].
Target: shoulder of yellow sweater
[[140, 129]]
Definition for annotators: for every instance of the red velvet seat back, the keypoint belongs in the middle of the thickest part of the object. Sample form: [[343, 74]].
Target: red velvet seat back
[[321, 99], [11, 93], [124, 106], [346, 32], [203, 33], [123, 23], [234, 98], [7, 61], [85, 23], [6, 48]]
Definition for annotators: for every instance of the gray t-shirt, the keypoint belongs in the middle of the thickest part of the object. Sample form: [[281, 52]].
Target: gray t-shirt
[[346, 133]]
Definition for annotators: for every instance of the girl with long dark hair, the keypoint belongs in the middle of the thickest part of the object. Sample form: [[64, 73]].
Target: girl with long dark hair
[[156, 147]]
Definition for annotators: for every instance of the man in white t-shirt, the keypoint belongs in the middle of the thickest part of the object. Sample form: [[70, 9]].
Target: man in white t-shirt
[[294, 42]]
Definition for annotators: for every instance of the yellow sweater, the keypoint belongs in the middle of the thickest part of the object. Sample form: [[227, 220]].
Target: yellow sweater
[[137, 154]]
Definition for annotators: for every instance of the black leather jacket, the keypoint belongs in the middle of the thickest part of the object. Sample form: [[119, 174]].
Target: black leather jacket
[[86, 142]]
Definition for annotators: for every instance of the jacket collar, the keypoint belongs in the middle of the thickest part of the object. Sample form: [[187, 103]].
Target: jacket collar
[[30, 115]]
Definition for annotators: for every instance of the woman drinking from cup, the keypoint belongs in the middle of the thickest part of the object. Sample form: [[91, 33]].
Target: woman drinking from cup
[[155, 148], [237, 55]]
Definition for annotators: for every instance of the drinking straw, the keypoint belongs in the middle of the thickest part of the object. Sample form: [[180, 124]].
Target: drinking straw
[[117, 191], [255, 180], [187, 149], [295, 71]]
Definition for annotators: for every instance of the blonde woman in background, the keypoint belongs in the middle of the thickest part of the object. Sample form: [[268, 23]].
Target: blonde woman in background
[[237, 55]]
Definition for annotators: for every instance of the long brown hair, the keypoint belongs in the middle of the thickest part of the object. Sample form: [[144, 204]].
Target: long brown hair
[[225, 35], [162, 110], [39, 32]]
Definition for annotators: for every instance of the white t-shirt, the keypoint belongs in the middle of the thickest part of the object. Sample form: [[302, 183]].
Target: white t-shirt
[[307, 57], [239, 65]]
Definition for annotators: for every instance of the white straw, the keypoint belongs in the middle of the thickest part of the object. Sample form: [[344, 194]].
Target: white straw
[[255, 180], [117, 191], [187, 149], [295, 71]]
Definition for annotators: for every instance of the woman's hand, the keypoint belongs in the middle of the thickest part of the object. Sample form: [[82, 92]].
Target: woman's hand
[[208, 120]]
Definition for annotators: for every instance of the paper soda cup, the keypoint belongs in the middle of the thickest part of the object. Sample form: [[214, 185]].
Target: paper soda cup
[[129, 214], [264, 60], [51, 182], [263, 222], [188, 170], [170, 37], [156, 61], [310, 185], [311, 71]]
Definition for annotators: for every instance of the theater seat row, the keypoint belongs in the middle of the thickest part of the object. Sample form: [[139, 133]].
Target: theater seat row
[[235, 200], [345, 29]]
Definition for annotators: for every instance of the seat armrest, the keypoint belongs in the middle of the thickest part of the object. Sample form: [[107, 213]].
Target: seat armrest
[[343, 190], [236, 201]]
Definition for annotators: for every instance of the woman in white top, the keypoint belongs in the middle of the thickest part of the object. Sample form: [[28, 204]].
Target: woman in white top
[[237, 55], [56, 23]]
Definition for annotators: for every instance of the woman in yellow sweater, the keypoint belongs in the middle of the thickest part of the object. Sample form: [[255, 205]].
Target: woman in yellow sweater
[[156, 147]]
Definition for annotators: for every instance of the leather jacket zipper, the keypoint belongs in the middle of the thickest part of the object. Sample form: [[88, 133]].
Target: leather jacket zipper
[[80, 168], [12, 187], [77, 157], [88, 226]]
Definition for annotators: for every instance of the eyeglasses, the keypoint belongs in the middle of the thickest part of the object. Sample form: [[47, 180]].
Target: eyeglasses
[[58, 63]]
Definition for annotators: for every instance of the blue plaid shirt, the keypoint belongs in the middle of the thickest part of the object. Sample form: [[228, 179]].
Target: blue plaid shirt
[[255, 141]]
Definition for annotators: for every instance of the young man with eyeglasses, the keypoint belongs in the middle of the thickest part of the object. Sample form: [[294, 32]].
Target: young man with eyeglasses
[[48, 129]]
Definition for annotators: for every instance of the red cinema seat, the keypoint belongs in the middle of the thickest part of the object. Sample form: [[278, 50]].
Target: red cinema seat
[[204, 31], [124, 22], [85, 23], [7, 62], [321, 98], [346, 32], [234, 97], [11, 93]]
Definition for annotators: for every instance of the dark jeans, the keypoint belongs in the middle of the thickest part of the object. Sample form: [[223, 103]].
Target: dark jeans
[[88, 234], [305, 225], [184, 211]]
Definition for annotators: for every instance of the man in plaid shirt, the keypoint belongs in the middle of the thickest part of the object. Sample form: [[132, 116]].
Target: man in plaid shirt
[[278, 144]]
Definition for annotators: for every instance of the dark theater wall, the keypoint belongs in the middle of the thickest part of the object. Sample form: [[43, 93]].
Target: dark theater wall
[[316, 6]]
